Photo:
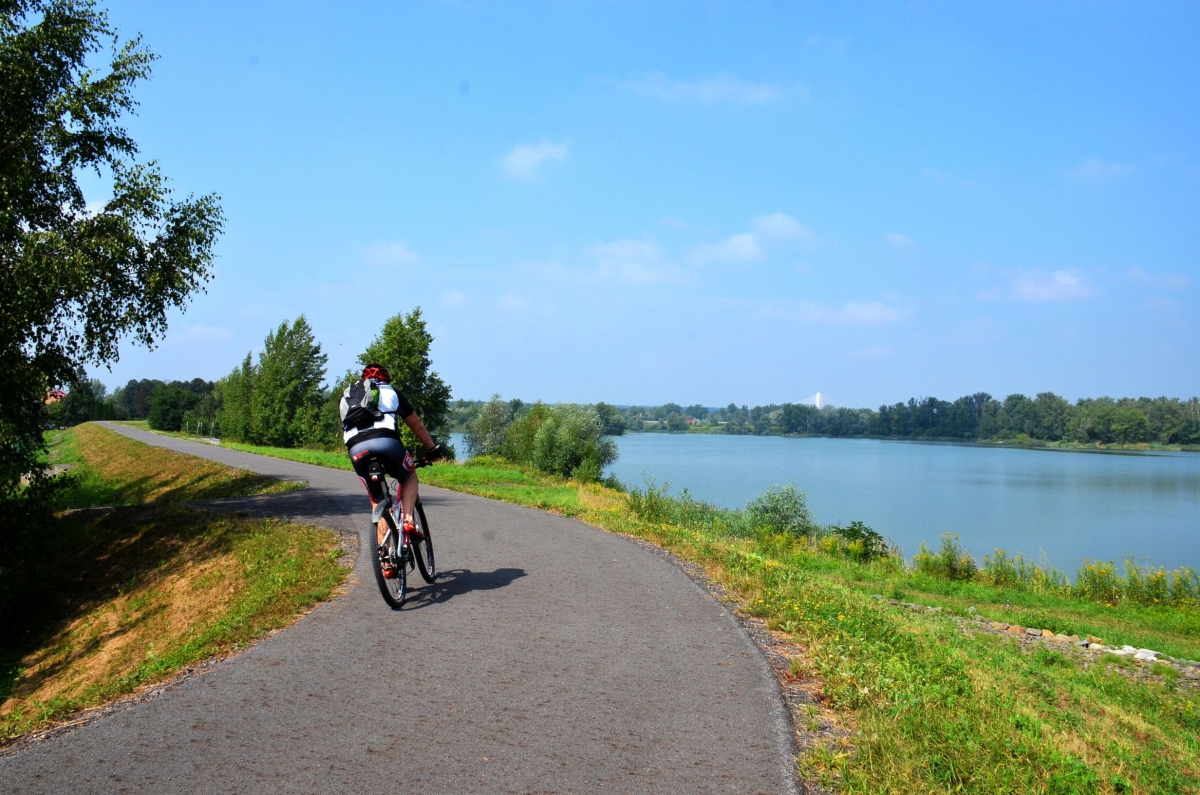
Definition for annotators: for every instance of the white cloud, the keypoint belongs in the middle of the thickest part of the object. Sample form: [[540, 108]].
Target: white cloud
[[453, 298], [525, 160], [737, 249], [1095, 171], [1170, 280], [1062, 285], [390, 253], [872, 352], [783, 227], [707, 91], [515, 303], [897, 240], [748, 246], [630, 261]]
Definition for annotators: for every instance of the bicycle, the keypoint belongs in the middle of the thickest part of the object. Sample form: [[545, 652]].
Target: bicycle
[[402, 556]]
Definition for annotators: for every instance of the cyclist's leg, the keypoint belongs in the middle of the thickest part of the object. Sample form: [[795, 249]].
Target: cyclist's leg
[[398, 463], [406, 476], [360, 455]]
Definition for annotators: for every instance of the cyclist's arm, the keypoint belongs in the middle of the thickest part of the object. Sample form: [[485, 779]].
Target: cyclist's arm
[[416, 426]]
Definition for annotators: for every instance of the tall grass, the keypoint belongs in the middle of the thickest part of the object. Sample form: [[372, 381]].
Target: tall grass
[[1096, 581]]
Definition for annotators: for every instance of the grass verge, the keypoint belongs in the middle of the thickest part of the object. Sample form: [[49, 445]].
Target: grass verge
[[110, 469], [121, 597], [934, 705]]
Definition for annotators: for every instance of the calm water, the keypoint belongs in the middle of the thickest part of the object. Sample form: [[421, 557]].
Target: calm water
[[1069, 505]]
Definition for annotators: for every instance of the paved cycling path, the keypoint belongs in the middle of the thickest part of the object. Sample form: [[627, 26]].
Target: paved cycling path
[[555, 657]]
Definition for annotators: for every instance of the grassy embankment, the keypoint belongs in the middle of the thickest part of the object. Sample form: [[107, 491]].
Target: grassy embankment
[[931, 703], [127, 595]]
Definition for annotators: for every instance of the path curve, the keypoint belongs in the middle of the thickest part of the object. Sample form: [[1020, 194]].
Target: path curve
[[555, 657]]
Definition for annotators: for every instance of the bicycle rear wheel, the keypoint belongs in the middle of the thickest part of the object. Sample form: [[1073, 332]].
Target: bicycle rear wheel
[[393, 587], [423, 551]]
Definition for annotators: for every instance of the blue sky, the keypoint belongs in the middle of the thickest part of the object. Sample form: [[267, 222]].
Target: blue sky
[[697, 202]]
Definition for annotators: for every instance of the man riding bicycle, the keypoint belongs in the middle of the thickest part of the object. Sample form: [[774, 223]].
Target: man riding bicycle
[[369, 410]]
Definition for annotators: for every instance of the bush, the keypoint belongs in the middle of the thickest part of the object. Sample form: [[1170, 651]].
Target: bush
[[783, 510], [863, 543], [652, 505], [518, 438], [571, 443], [486, 431], [950, 562]]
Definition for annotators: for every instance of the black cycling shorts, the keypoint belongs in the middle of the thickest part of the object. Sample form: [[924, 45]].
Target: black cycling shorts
[[392, 455]]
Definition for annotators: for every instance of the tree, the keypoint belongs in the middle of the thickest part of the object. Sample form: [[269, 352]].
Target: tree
[[286, 398], [168, 405], [611, 419], [73, 283], [403, 347], [236, 392]]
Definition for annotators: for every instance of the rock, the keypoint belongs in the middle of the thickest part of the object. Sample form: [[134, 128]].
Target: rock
[[1047, 633], [1034, 632], [1016, 630], [1083, 644], [1060, 638], [934, 609], [1093, 639], [1095, 647], [1075, 639], [1147, 655], [876, 596], [999, 625], [1124, 651], [893, 601], [1191, 672]]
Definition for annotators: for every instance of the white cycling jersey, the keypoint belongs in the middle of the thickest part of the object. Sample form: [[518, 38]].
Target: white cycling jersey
[[393, 405]]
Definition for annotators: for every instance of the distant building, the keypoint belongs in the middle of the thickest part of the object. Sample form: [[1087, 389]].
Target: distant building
[[54, 396]]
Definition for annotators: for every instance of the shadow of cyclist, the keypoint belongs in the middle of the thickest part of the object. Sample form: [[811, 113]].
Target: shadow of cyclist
[[458, 581]]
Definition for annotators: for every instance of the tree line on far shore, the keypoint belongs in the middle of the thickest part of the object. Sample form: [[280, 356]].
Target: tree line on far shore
[[978, 417]]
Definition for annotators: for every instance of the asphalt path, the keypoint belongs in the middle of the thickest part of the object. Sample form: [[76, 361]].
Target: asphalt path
[[550, 657]]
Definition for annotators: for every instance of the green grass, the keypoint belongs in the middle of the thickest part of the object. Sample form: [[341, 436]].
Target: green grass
[[110, 469], [114, 599]]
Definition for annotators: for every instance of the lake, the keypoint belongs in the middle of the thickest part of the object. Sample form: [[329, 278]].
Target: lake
[[1067, 505]]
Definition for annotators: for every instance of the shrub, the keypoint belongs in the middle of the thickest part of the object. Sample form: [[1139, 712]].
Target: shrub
[[518, 438], [651, 505], [950, 562], [862, 543], [783, 510], [486, 432], [570, 442]]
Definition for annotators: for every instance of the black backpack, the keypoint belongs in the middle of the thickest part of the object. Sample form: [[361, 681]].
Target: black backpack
[[358, 407]]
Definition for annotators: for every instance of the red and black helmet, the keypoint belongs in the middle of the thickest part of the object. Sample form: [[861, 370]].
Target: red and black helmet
[[377, 372]]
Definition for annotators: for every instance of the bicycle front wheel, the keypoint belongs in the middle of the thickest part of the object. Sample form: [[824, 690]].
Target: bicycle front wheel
[[423, 551]]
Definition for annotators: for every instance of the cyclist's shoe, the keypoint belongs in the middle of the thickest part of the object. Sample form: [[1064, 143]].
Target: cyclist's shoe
[[385, 564], [413, 533]]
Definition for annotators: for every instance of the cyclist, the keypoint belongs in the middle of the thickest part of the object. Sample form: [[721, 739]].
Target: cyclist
[[374, 433]]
